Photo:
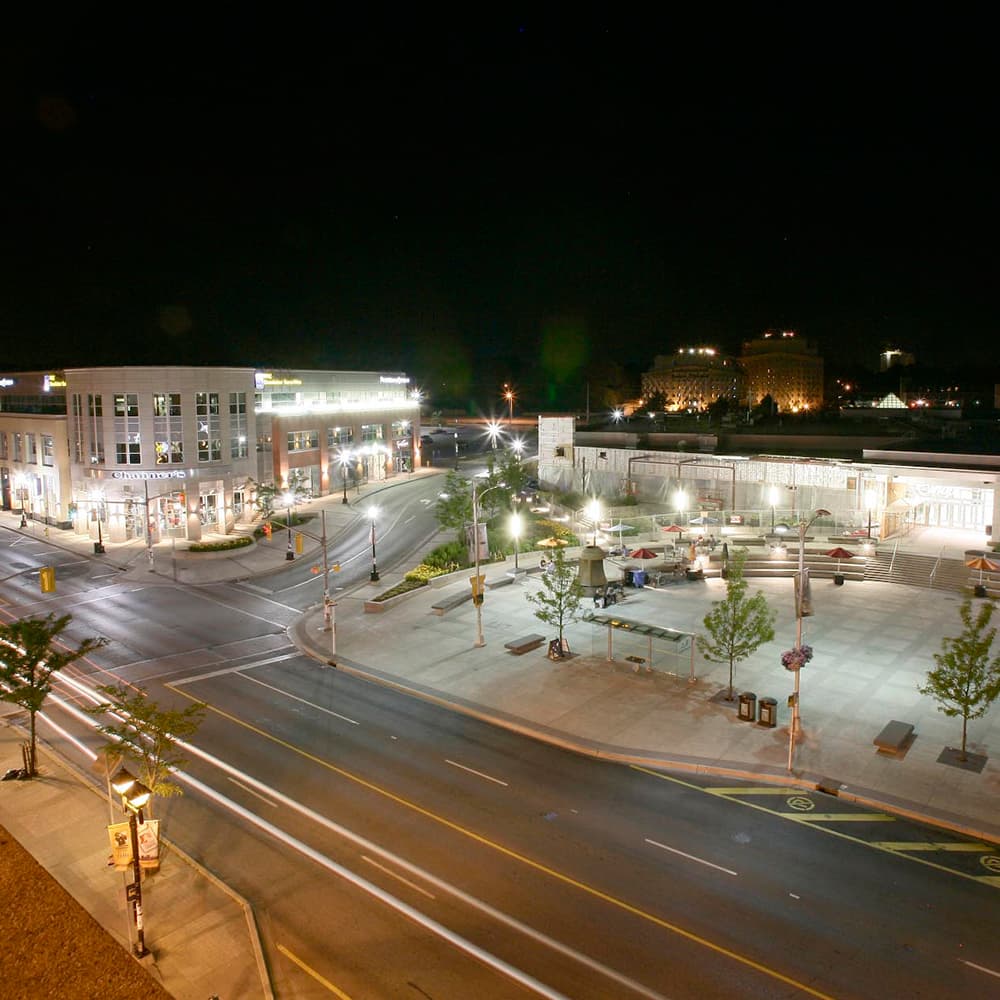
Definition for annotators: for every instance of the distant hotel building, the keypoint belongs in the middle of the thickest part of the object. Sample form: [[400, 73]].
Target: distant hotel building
[[694, 378], [180, 450], [785, 367]]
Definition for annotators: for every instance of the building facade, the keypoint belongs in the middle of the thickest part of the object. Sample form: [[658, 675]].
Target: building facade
[[694, 378], [154, 453], [785, 367]]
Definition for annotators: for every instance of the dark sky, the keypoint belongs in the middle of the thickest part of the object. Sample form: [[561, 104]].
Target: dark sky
[[504, 198]]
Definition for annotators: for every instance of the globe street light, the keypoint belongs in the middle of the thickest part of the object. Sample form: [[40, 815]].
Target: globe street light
[[509, 396], [593, 512], [134, 796], [373, 515], [515, 526], [804, 526], [289, 500]]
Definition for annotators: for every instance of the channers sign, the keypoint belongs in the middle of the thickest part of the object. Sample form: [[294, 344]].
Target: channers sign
[[174, 474]]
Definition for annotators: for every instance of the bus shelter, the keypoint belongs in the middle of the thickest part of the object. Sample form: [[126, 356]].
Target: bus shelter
[[642, 644]]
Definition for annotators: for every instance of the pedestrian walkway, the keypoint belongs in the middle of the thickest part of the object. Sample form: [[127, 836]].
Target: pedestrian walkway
[[873, 641]]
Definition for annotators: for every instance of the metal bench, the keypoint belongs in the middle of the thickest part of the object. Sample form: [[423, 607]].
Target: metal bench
[[894, 736], [448, 603], [525, 643]]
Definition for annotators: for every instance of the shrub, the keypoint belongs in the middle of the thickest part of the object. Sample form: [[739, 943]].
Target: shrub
[[422, 573], [231, 543], [447, 557], [401, 588]]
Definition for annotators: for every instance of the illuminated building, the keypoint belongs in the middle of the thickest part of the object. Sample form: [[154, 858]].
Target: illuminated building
[[176, 451], [785, 367], [693, 379]]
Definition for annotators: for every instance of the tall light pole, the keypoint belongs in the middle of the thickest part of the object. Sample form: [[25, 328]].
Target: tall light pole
[[774, 499], [516, 523], [477, 593], [373, 514], [793, 729], [509, 396], [134, 796], [345, 458], [594, 514], [288, 498], [456, 451]]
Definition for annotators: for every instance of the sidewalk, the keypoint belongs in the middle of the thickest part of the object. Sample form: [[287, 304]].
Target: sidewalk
[[873, 645]]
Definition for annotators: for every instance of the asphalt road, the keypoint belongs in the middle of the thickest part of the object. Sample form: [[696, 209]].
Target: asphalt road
[[312, 792]]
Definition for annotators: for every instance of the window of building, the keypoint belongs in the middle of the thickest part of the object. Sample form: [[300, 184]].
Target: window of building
[[209, 426], [339, 437], [30, 449], [3, 445], [94, 406], [238, 447], [48, 450], [371, 432], [126, 404], [17, 446], [128, 453], [303, 440], [168, 428]]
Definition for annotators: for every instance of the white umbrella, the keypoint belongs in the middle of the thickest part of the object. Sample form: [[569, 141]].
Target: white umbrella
[[620, 528]]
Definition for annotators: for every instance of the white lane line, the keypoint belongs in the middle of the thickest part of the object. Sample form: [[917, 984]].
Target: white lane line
[[392, 874], [691, 857], [295, 697], [256, 795], [792, 894], [479, 774], [103, 576], [233, 670], [980, 968]]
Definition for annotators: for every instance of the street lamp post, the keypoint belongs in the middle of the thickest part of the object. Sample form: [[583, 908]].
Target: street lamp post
[[509, 396], [373, 514], [594, 514], [793, 729], [134, 796], [289, 554], [516, 524], [456, 451], [345, 458], [773, 496], [478, 595]]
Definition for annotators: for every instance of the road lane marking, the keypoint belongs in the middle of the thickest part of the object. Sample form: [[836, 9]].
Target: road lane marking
[[392, 874], [236, 669], [842, 818], [256, 795], [478, 838], [478, 774], [340, 994], [797, 818], [907, 845], [295, 697], [980, 968], [691, 857], [747, 791]]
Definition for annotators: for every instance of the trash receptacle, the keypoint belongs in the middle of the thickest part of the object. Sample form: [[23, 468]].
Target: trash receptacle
[[748, 706], [768, 712], [638, 578]]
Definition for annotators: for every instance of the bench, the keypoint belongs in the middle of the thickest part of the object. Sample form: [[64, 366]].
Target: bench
[[448, 603], [893, 737], [525, 643]]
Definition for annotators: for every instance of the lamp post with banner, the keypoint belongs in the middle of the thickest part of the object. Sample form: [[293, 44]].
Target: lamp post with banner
[[134, 796]]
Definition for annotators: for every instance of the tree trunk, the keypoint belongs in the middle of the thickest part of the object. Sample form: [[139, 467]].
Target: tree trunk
[[730, 680], [965, 725], [31, 752]]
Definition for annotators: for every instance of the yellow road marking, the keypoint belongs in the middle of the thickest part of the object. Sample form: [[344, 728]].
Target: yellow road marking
[[906, 845], [523, 859], [796, 817], [312, 972], [843, 818]]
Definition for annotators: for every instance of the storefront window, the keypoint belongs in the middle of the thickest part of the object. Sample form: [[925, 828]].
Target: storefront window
[[303, 440], [371, 432], [48, 450]]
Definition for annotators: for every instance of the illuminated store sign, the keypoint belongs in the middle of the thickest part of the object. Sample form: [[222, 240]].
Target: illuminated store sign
[[263, 379], [50, 382], [175, 474], [6, 383], [394, 379]]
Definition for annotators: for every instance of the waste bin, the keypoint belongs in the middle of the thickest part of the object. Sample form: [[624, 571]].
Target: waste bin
[[627, 577], [638, 578], [748, 706], [768, 712]]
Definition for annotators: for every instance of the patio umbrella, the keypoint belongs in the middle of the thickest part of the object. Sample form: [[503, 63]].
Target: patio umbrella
[[643, 554], [619, 527], [838, 554], [982, 563], [552, 542], [674, 528]]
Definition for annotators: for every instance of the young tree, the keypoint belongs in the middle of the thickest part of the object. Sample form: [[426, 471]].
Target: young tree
[[268, 496], [558, 602], [147, 733], [738, 625], [966, 681], [28, 659], [454, 506]]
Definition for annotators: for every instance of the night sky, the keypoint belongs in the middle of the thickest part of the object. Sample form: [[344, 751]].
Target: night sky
[[498, 199]]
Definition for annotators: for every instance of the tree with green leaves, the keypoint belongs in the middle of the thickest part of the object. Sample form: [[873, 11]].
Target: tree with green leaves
[[267, 496], [454, 506], [738, 625], [966, 681], [558, 602], [148, 734], [29, 658]]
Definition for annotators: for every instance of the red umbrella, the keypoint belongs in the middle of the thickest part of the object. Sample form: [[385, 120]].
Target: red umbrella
[[642, 554], [982, 563], [674, 527], [838, 554]]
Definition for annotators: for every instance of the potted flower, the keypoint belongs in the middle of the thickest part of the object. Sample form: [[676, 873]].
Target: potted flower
[[797, 658]]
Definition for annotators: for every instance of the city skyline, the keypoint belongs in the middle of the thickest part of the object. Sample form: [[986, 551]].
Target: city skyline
[[505, 205]]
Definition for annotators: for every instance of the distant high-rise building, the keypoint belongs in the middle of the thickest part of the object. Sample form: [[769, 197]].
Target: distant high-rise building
[[894, 356], [786, 367], [694, 378]]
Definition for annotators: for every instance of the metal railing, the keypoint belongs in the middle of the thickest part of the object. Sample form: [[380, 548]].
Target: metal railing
[[937, 563]]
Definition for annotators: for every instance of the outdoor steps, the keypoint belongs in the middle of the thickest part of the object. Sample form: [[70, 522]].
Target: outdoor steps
[[915, 571], [821, 566]]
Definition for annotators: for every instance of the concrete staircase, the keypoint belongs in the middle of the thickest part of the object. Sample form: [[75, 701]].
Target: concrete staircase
[[760, 563], [915, 570]]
